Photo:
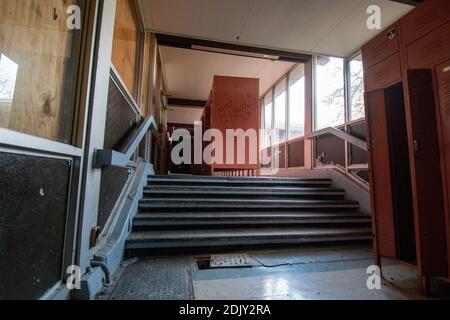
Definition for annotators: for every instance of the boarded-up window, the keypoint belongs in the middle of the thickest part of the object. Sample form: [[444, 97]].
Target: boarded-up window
[[126, 44], [39, 58], [145, 86]]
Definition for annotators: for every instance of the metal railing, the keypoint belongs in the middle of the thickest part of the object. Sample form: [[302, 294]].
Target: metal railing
[[340, 134], [122, 158], [351, 170]]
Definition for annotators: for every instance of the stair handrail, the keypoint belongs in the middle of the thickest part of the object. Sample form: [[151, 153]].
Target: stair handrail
[[340, 134], [115, 158]]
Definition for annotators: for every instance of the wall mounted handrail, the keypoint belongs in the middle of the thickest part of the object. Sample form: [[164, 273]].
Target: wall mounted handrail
[[340, 134], [122, 158]]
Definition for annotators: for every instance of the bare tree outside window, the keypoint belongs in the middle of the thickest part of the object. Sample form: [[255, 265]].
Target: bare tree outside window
[[356, 90], [8, 74], [5, 90], [330, 92]]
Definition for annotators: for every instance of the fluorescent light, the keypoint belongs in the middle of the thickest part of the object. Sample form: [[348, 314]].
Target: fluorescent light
[[235, 52]]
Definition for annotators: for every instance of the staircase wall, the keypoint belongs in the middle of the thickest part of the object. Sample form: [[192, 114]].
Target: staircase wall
[[355, 191]]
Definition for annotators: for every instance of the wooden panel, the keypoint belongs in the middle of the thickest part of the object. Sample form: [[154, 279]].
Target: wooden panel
[[380, 48], [45, 55], [236, 106], [282, 156], [400, 174], [357, 155], [384, 74], [125, 45], [381, 193], [426, 176], [443, 79], [296, 154], [430, 50], [424, 19], [333, 148]]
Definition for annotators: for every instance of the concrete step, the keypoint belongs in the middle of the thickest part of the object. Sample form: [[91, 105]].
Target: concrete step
[[195, 177], [238, 182], [243, 237], [240, 192], [211, 204], [187, 212], [152, 221]]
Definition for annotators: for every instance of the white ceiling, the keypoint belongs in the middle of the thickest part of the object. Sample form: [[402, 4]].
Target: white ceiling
[[334, 27], [189, 73]]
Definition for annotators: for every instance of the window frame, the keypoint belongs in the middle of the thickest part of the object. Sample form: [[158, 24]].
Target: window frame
[[136, 96], [310, 83], [288, 113], [348, 122], [315, 98], [348, 76], [285, 77], [286, 108], [347, 82], [265, 144]]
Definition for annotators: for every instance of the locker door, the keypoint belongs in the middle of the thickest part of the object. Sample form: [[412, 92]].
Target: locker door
[[426, 176], [443, 80], [380, 174]]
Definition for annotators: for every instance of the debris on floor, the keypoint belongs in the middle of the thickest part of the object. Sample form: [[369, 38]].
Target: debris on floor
[[304, 273], [233, 261]]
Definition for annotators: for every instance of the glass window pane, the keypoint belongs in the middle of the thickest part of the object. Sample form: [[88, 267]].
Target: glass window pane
[[268, 118], [39, 59], [262, 124], [125, 45], [280, 112], [330, 98], [356, 90], [297, 102]]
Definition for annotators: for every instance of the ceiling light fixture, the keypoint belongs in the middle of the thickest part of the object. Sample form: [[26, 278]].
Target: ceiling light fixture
[[235, 52]]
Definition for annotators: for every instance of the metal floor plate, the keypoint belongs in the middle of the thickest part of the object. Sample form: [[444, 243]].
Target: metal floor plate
[[155, 279], [232, 261]]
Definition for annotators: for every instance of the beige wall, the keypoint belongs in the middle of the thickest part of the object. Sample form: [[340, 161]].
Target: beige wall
[[184, 115]]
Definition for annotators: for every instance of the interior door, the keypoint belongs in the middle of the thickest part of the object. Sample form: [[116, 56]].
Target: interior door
[[443, 80], [380, 174], [402, 203], [426, 176]]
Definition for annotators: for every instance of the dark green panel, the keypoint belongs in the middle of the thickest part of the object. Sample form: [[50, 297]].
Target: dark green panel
[[121, 122], [33, 208]]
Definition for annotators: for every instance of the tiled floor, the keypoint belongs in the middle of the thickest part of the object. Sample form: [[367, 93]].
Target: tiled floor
[[333, 273], [296, 274]]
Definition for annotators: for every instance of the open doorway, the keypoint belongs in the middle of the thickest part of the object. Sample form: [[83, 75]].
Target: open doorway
[[400, 174], [183, 168]]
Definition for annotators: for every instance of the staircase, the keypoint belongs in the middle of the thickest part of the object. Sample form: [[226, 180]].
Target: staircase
[[188, 212]]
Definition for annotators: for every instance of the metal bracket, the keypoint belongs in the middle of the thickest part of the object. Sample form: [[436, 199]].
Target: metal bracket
[[121, 159]]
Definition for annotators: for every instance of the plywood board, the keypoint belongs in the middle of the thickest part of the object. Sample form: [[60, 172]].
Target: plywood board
[[126, 44], [35, 37]]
